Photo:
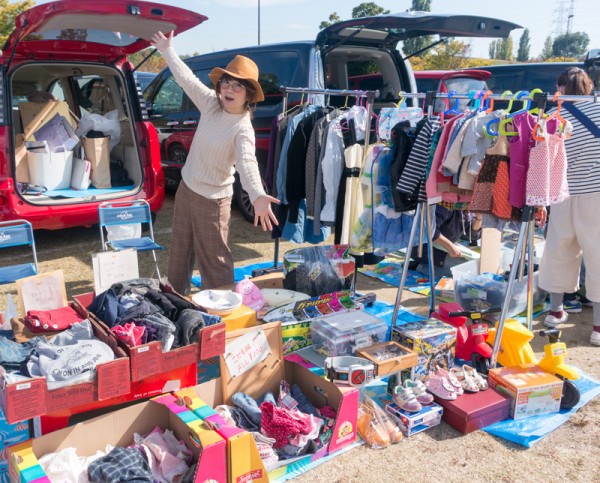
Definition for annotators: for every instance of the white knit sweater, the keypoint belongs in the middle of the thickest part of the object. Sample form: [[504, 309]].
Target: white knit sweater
[[222, 143]]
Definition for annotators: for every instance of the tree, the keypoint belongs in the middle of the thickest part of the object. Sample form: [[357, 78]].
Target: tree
[[493, 49], [418, 43], [574, 44], [547, 50], [450, 55], [523, 52], [8, 12], [505, 49], [368, 9], [155, 63], [333, 18]]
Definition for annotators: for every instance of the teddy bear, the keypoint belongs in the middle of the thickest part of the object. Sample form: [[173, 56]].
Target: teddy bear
[[251, 296]]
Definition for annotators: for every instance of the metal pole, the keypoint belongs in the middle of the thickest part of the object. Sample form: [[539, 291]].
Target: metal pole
[[258, 22], [508, 296], [430, 264], [421, 229], [530, 274], [409, 248]]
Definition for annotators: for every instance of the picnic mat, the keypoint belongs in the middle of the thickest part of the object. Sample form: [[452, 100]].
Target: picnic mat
[[389, 270], [239, 273], [529, 431]]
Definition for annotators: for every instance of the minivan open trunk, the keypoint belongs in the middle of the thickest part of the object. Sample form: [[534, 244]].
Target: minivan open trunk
[[81, 89]]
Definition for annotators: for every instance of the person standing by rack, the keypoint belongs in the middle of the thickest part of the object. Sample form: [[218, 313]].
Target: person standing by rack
[[574, 228], [223, 143]]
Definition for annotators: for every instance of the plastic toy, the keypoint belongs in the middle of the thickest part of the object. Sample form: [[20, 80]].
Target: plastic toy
[[470, 339], [515, 350], [251, 296]]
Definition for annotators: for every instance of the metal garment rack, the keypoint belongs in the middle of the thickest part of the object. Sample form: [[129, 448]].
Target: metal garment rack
[[370, 97], [525, 242]]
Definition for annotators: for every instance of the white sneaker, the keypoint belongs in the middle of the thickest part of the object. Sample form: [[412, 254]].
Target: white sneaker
[[595, 338], [552, 322]]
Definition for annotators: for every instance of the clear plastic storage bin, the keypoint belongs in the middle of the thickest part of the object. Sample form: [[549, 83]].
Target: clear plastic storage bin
[[343, 334]]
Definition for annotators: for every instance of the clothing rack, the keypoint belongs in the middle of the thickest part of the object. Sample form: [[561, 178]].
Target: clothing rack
[[370, 97], [525, 242]]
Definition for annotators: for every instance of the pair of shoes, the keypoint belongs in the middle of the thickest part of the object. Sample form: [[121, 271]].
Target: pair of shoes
[[440, 386], [572, 306], [585, 301], [595, 338], [420, 391], [553, 321], [472, 374], [452, 379], [469, 384], [405, 398]]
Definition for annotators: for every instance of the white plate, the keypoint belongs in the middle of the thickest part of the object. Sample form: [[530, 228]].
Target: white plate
[[275, 297], [218, 302]]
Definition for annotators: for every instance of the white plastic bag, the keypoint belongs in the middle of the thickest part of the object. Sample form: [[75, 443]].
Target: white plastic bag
[[108, 124], [123, 232]]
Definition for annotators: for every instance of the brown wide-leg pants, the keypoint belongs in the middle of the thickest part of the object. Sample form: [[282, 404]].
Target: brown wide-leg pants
[[199, 236]]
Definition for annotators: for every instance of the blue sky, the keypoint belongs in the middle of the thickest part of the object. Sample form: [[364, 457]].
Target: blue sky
[[234, 23]]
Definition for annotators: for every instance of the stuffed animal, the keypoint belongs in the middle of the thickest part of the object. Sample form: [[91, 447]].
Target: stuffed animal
[[251, 296]]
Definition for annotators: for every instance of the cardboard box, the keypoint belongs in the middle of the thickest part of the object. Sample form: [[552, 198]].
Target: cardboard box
[[263, 377], [470, 412], [532, 390], [117, 428], [10, 434], [25, 400], [240, 318], [149, 359], [384, 365], [413, 423], [433, 340]]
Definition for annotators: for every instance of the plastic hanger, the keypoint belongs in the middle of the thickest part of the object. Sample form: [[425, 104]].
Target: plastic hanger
[[401, 95], [490, 106], [454, 109], [535, 111], [489, 132], [555, 114], [526, 104]]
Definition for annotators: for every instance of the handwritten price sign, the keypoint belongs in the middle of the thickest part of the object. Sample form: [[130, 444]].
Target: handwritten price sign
[[246, 351]]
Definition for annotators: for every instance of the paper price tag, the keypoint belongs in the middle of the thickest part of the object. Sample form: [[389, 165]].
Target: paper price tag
[[246, 351]]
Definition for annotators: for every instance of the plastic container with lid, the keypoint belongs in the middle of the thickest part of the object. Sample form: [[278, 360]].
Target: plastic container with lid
[[343, 334]]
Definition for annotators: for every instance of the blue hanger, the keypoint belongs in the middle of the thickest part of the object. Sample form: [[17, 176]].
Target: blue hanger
[[488, 128], [454, 109]]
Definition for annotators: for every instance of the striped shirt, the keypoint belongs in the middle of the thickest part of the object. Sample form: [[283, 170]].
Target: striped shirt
[[583, 151]]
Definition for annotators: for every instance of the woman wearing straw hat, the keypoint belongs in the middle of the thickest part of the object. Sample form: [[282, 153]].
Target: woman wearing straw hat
[[223, 143]]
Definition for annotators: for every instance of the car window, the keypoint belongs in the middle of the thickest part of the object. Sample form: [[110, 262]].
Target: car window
[[168, 99], [464, 85], [93, 94], [425, 85], [275, 69]]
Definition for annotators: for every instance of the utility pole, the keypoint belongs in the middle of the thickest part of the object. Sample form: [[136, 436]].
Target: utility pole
[[570, 17], [258, 22]]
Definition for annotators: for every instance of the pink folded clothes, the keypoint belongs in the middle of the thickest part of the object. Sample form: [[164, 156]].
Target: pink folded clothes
[[51, 320], [129, 333], [285, 425]]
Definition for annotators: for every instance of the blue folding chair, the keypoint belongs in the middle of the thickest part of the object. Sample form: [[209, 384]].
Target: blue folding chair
[[16, 233], [128, 213]]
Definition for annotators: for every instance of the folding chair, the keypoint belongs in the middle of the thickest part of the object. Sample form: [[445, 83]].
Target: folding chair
[[16, 233], [128, 213]]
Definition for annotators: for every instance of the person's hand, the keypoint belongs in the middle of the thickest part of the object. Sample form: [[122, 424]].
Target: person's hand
[[453, 251], [161, 42], [541, 216], [263, 212]]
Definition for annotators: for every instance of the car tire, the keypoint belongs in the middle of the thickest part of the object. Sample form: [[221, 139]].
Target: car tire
[[177, 153], [242, 200]]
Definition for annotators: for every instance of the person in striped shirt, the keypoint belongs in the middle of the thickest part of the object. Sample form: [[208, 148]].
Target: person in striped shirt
[[574, 226]]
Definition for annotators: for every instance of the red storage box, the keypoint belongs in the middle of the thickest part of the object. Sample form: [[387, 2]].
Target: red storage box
[[470, 412]]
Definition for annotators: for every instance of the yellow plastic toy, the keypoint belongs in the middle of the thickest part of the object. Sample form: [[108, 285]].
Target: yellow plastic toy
[[515, 350]]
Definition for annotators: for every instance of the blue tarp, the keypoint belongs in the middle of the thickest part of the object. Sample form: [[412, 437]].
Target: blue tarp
[[239, 273]]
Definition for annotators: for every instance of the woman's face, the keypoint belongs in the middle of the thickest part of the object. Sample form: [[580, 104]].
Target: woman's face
[[233, 95]]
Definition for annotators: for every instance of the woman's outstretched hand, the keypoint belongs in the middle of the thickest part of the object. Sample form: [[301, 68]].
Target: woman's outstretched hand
[[161, 42], [263, 212]]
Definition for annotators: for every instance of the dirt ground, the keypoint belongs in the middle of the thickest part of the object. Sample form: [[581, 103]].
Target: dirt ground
[[568, 454]]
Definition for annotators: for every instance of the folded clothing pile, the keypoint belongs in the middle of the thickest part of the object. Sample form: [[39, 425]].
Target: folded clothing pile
[[138, 312]]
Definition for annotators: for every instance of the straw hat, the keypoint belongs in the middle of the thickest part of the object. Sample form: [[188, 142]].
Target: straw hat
[[240, 68]]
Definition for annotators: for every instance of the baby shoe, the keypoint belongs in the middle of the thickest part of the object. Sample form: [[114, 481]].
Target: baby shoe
[[440, 371], [468, 383], [405, 398], [420, 391], [440, 387], [479, 380]]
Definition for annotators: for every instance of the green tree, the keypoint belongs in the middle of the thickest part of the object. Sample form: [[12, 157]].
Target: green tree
[[418, 43], [505, 49], [8, 12], [493, 49], [368, 9], [547, 50], [450, 55], [574, 44], [155, 63], [333, 18], [524, 47]]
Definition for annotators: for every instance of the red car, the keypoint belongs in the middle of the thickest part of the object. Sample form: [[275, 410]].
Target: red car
[[75, 52]]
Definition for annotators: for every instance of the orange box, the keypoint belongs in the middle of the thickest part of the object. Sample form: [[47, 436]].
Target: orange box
[[32, 398], [241, 318], [533, 391]]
